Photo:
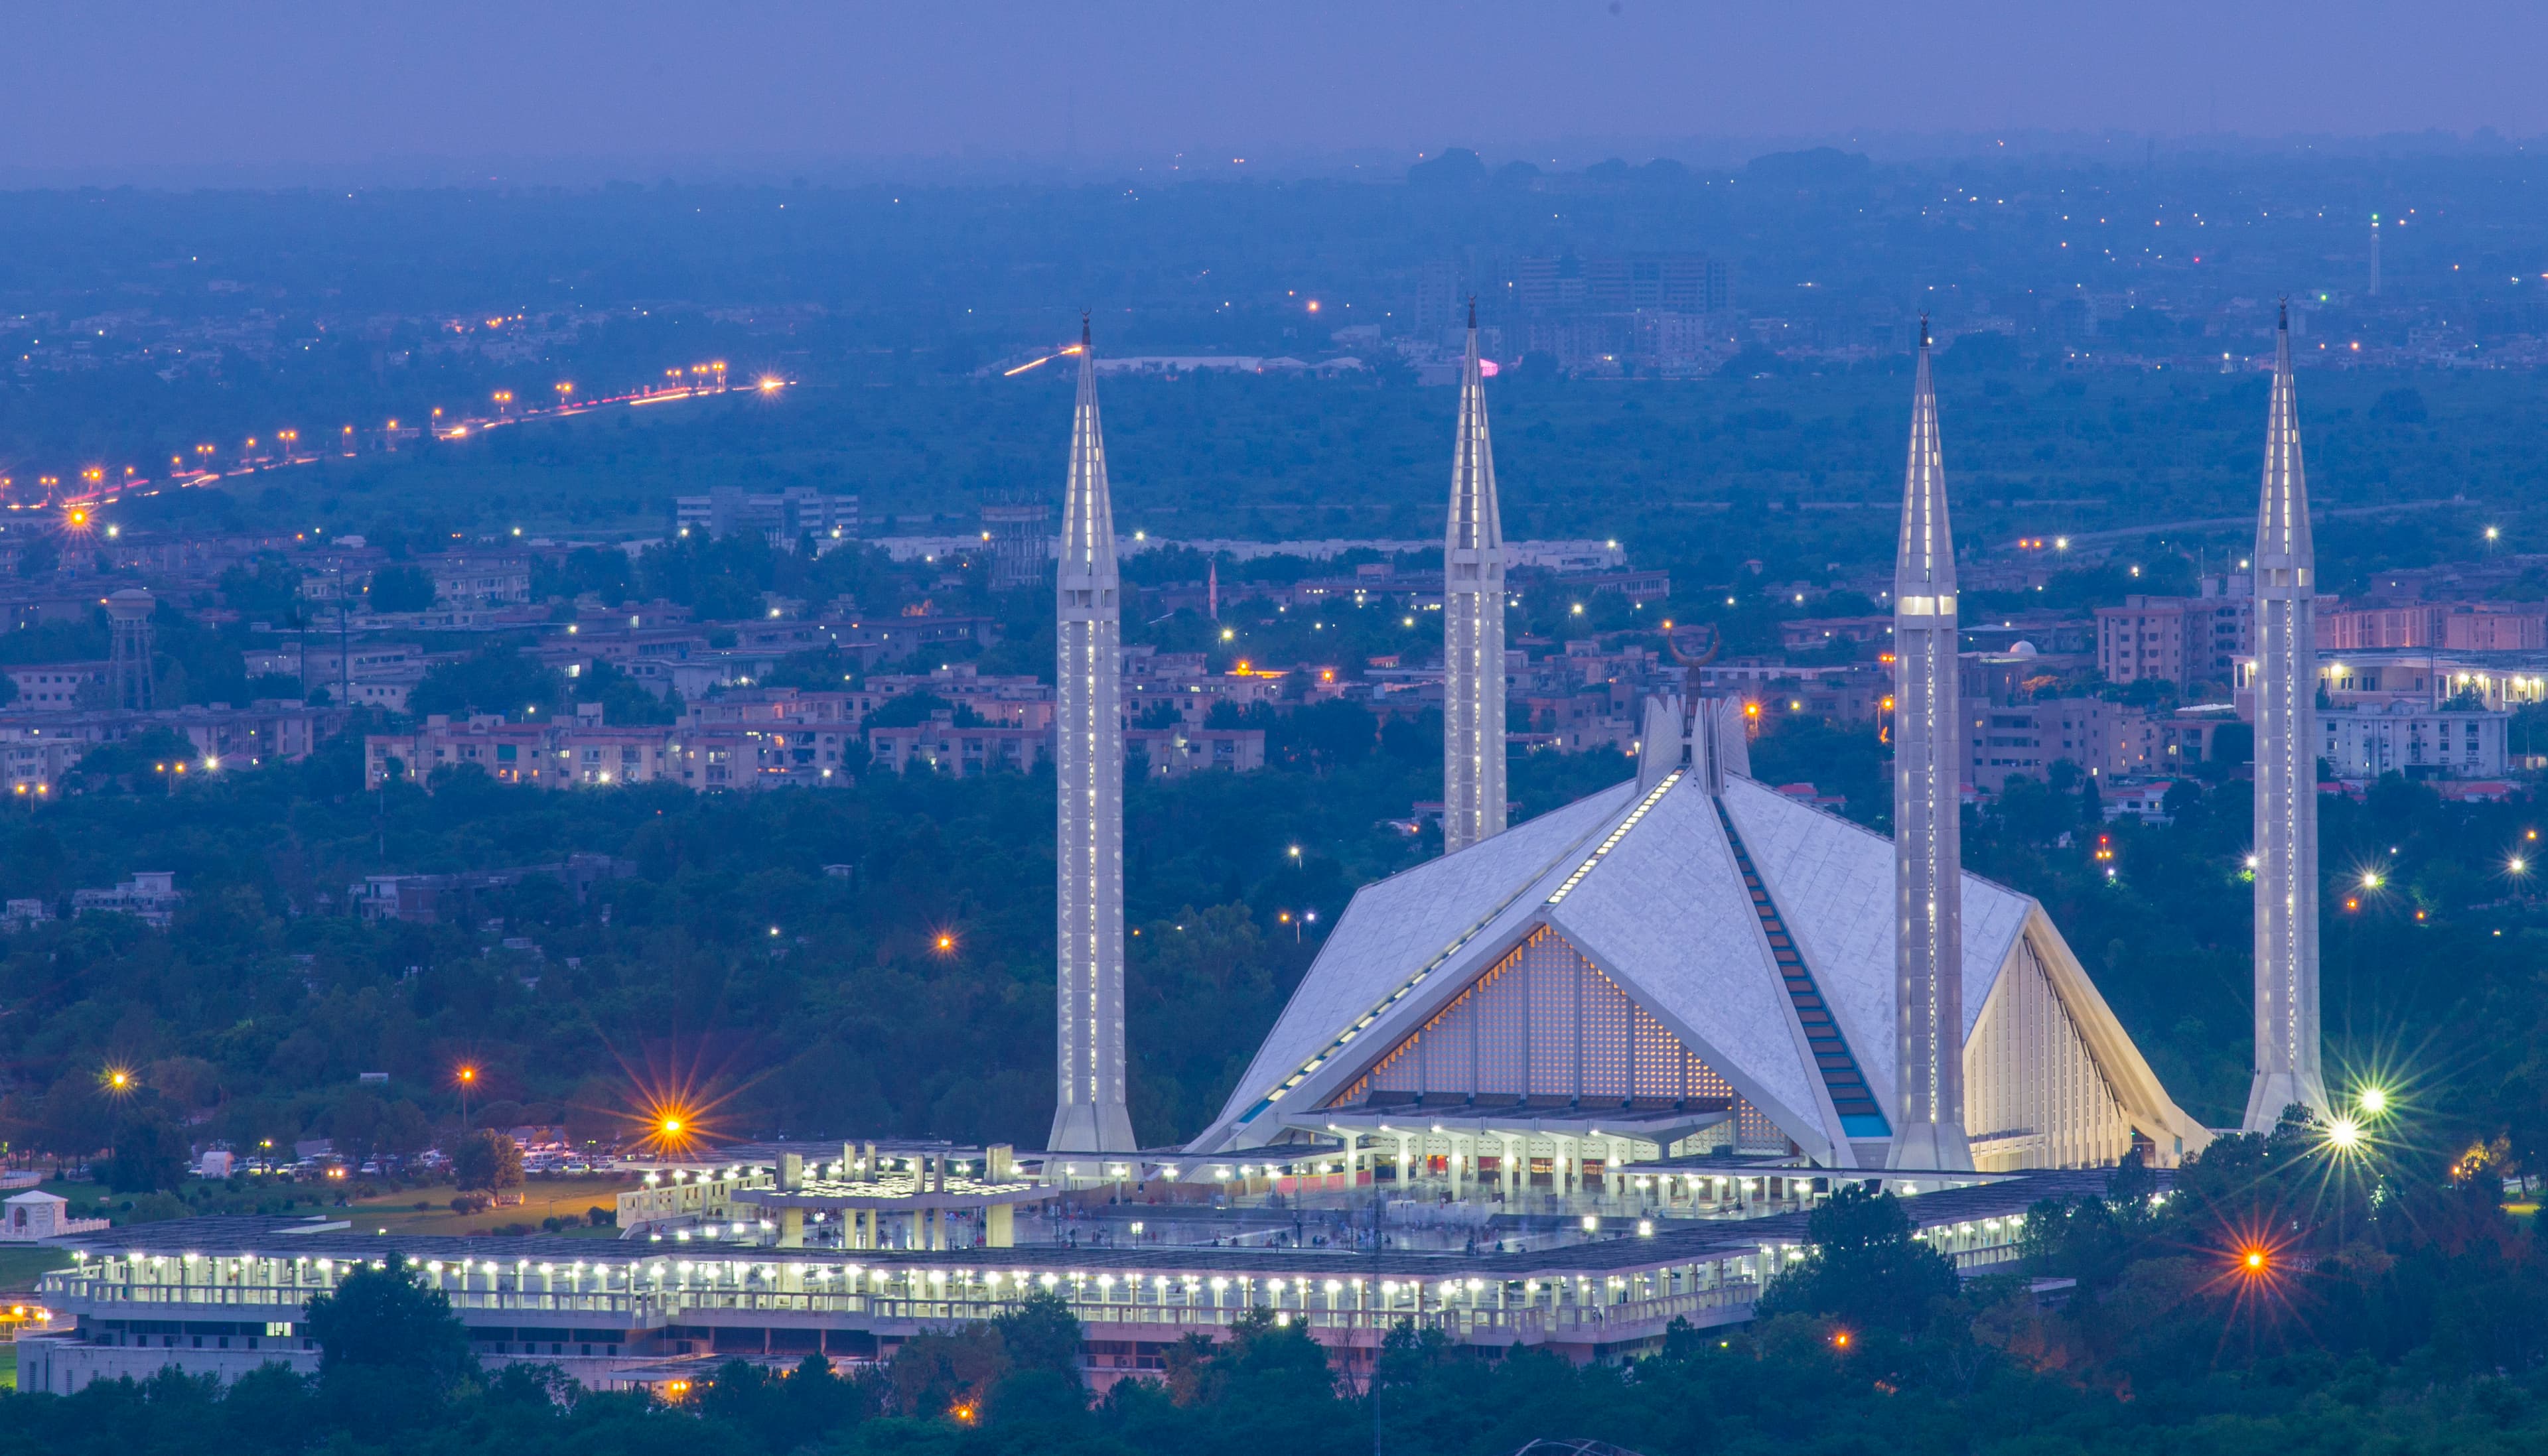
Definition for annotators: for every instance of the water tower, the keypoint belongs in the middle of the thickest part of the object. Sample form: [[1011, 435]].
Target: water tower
[[128, 667]]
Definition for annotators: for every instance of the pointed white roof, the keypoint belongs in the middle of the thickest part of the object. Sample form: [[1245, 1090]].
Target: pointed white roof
[[1924, 564], [1834, 878], [2281, 511], [1665, 916], [1645, 885], [1477, 520], [1399, 933], [1088, 506]]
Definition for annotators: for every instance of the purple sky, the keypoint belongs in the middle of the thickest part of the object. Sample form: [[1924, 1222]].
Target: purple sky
[[104, 88]]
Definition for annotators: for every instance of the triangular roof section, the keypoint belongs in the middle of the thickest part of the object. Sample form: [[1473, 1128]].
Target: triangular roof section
[[1836, 876], [1644, 883], [1665, 916], [1834, 880], [1437, 925]]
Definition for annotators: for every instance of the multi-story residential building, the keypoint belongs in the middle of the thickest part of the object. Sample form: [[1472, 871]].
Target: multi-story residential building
[[57, 687], [479, 579], [783, 517], [33, 761], [727, 748], [429, 898], [1804, 634], [598, 756], [1686, 283], [1845, 693], [941, 746], [2003, 740], [2369, 740], [2482, 626], [150, 895], [38, 752], [511, 752], [813, 755], [2182, 640], [1174, 751]]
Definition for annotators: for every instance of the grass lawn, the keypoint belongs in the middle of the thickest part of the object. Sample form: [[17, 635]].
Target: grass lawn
[[8, 1365], [542, 1198], [19, 1266]]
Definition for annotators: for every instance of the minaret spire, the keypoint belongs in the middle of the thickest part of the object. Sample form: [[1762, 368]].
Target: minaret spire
[[1473, 626], [2286, 840], [1089, 1113], [1928, 856]]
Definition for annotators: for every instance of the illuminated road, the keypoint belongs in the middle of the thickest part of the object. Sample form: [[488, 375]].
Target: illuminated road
[[107, 495]]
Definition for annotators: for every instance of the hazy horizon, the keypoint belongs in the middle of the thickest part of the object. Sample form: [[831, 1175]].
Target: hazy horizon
[[152, 93]]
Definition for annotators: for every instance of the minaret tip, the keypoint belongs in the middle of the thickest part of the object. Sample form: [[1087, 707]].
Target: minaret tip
[[1083, 330], [2283, 317], [1473, 312], [1924, 331]]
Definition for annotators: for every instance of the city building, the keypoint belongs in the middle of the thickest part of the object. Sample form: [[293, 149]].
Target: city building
[[2180, 640], [480, 579], [2004, 740], [1171, 753], [2366, 741], [59, 687], [1682, 283], [454, 899], [664, 1310], [783, 517], [939, 746], [34, 1214], [2483, 627], [150, 896]]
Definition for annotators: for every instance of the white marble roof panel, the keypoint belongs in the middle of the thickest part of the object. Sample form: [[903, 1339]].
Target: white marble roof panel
[[1833, 882], [1392, 928], [1666, 910]]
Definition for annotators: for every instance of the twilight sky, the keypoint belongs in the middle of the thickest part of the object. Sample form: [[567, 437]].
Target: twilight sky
[[124, 88]]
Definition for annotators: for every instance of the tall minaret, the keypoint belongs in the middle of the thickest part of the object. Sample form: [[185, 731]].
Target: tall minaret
[[2375, 258], [2285, 685], [1473, 627], [1088, 732], [1928, 854]]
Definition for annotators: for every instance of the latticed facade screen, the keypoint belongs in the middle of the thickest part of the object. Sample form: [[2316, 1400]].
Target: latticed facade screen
[[2034, 1094], [1546, 1024]]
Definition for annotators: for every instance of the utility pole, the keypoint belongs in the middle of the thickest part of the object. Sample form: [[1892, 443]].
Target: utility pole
[[1379, 1209], [345, 667]]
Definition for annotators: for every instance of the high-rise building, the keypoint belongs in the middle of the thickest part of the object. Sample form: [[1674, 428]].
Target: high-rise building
[[2182, 640], [1018, 545], [783, 517], [2287, 749], [1088, 751], [1928, 858], [1473, 627]]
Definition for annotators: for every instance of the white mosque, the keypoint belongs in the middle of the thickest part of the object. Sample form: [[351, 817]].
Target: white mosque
[[1689, 968]]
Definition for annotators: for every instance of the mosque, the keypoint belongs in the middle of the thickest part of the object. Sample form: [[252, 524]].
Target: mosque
[[1574, 1082], [1689, 971]]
